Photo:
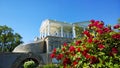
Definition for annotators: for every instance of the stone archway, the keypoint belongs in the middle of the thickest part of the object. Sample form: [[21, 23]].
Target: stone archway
[[25, 57], [28, 59]]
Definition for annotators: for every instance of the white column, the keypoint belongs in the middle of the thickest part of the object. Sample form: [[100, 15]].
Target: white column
[[47, 50], [42, 34], [73, 30], [45, 32], [61, 31], [48, 29], [47, 46]]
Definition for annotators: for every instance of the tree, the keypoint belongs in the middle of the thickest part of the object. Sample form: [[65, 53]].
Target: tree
[[8, 39], [119, 20]]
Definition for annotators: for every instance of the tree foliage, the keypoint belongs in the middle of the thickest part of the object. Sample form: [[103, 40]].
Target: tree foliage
[[8, 39], [119, 20]]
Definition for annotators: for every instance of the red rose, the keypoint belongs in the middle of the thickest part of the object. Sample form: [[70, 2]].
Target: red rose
[[59, 56], [52, 55], [84, 52], [96, 41], [100, 31], [87, 33], [107, 30], [65, 44], [100, 25], [66, 61], [63, 49], [100, 46], [78, 42], [75, 63], [114, 50], [54, 50], [90, 40], [116, 36], [92, 21], [78, 49], [116, 26], [87, 56], [72, 48], [96, 23], [94, 60]]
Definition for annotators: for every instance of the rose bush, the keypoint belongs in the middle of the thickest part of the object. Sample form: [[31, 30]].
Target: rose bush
[[98, 48]]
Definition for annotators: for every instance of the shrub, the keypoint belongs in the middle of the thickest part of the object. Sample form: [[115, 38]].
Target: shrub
[[49, 66], [29, 64], [98, 48]]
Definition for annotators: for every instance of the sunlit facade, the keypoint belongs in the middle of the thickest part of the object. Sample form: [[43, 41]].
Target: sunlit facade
[[59, 29]]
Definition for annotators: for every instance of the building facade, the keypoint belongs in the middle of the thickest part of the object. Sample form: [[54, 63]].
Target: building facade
[[59, 30]]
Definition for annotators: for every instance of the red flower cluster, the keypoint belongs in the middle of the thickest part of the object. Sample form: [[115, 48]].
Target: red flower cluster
[[116, 26], [96, 24], [100, 46], [54, 50], [90, 40], [52, 55], [78, 42], [96, 41], [65, 44], [59, 56], [66, 61], [94, 60], [75, 63], [78, 49], [107, 30], [87, 33], [63, 49], [116, 36], [99, 27], [72, 48], [85, 54], [114, 50]]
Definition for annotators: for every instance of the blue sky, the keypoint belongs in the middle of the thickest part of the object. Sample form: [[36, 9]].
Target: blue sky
[[25, 16]]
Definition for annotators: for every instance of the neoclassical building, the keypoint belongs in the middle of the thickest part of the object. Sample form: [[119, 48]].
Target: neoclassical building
[[52, 35], [55, 33], [60, 29]]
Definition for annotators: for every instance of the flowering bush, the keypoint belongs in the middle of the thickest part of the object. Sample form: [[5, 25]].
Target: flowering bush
[[98, 48]]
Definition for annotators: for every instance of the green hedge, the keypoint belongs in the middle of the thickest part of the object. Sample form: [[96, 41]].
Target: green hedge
[[29, 64]]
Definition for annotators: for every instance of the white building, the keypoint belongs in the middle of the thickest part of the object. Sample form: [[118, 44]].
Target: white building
[[52, 35], [59, 29]]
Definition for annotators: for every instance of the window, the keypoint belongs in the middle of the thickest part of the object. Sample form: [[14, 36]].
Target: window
[[55, 44]]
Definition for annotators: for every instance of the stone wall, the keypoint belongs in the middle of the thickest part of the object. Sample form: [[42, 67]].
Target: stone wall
[[14, 60], [7, 59]]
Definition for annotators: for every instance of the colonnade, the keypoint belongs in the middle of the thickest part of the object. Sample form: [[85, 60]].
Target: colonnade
[[46, 31]]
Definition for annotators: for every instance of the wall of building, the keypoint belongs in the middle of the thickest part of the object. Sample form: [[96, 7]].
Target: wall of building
[[14, 60]]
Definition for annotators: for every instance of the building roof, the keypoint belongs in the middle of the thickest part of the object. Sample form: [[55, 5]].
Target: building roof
[[34, 47]]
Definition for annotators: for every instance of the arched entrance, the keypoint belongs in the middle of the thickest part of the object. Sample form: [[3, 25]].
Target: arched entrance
[[26, 57]]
